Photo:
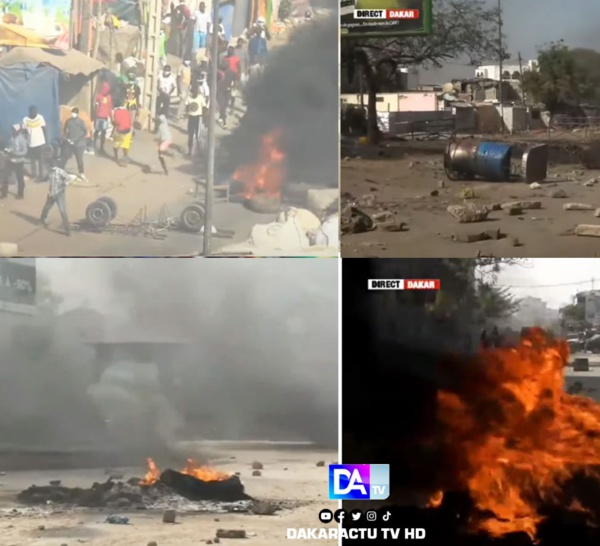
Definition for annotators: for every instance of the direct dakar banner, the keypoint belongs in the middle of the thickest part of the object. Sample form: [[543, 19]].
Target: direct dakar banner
[[385, 18], [18, 285], [49, 19]]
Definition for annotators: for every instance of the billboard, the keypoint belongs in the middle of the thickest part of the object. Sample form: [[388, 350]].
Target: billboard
[[385, 18], [49, 19], [18, 285]]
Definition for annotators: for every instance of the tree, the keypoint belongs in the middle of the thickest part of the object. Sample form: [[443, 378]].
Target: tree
[[461, 28], [565, 77]]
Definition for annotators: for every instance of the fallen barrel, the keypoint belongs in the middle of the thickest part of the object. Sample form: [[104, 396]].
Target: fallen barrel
[[468, 159]]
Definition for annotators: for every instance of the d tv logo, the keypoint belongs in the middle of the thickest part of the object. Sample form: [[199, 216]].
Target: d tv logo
[[359, 481]]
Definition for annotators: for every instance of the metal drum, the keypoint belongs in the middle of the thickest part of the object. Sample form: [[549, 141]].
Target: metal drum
[[492, 161], [459, 159]]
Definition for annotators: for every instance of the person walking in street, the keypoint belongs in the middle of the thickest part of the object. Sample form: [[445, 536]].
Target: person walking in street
[[258, 38], [75, 135], [225, 83], [17, 152], [167, 84], [242, 53], [35, 125], [184, 80], [122, 134], [58, 182], [165, 139], [104, 106], [195, 105], [234, 66]]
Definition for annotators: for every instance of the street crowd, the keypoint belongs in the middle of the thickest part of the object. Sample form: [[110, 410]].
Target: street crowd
[[187, 33]]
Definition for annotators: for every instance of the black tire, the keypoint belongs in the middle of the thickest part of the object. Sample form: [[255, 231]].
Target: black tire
[[263, 206], [192, 218], [111, 204], [98, 214]]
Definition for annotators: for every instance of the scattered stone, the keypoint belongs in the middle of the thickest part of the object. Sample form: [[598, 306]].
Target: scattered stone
[[116, 476], [117, 520], [525, 205], [320, 463], [55, 483], [441, 184], [169, 516], [434, 193], [467, 214], [515, 241], [256, 473], [238, 473], [393, 226], [597, 213], [263, 509], [558, 194], [590, 182], [257, 465], [587, 230], [209, 541], [496, 206], [41, 527], [514, 211], [382, 216], [467, 193], [471, 237], [216, 540], [577, 206], [535, 186], [354, 220], [152, 543], [231, 533]]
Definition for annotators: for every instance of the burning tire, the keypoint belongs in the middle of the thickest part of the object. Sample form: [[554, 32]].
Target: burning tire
[[263, 204], [98, 214], [192, 218], [111, 204]]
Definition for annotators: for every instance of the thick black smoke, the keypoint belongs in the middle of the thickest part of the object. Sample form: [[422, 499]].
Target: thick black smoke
[[297, 93]]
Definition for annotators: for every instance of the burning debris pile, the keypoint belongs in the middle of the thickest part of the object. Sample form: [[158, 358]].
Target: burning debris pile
[[521, 458], [194, 483]]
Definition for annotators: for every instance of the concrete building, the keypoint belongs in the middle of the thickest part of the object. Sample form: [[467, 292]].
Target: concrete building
[[510, 70], [591, 301], [535, 312]]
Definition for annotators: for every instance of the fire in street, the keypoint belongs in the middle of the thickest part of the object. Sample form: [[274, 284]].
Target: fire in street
[[200, 472], [264, 178]]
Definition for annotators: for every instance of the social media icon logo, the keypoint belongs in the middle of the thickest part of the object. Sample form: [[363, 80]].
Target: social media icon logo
[[371, 515], [325, 516], [359, 481], [387, 516], [339, 515], [356, 514]]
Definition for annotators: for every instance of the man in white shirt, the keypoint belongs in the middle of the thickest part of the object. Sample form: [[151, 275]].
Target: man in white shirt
[[35, 125], [167, 84], [202, 22]]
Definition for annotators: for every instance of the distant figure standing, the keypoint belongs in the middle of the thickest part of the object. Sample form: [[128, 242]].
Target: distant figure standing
[[202, 22], [195, 105], [35, 125], [167, 84], [132, 94], [258, 38], [58, 182], [184, 80], [225, 84], [180, 20], [75, 135], [104, 107], [17, 152]]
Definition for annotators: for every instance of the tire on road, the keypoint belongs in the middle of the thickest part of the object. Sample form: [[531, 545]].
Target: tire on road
[[263, 205], [111, 204], [98, 214], [192, 218]]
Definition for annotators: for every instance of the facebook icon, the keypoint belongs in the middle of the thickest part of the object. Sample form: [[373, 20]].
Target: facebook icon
[[359, 481]]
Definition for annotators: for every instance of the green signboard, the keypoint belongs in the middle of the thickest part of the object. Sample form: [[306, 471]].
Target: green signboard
[[385, 18]]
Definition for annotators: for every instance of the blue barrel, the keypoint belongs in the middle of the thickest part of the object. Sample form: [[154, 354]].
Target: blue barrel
[[492, 161]]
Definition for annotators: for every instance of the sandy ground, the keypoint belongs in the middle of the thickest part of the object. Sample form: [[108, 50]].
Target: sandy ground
[[414, 188], [288, 475]]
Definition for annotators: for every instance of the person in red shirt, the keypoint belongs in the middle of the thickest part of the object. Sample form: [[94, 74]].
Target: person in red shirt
[[104, 106], [234, 67], [122, 133]]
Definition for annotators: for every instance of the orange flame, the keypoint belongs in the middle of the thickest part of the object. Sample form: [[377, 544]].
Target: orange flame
[[192, 468], [266, 176], [518, 434]]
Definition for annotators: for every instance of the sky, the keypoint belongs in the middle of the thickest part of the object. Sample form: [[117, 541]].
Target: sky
[[530, 24], [539, 277]]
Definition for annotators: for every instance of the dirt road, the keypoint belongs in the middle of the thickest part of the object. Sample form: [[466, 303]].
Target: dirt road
[[414, 188], [289, 476]]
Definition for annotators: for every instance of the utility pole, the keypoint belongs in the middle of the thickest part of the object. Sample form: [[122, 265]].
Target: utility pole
[[501, 60], [152, 57], [212, 122]]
